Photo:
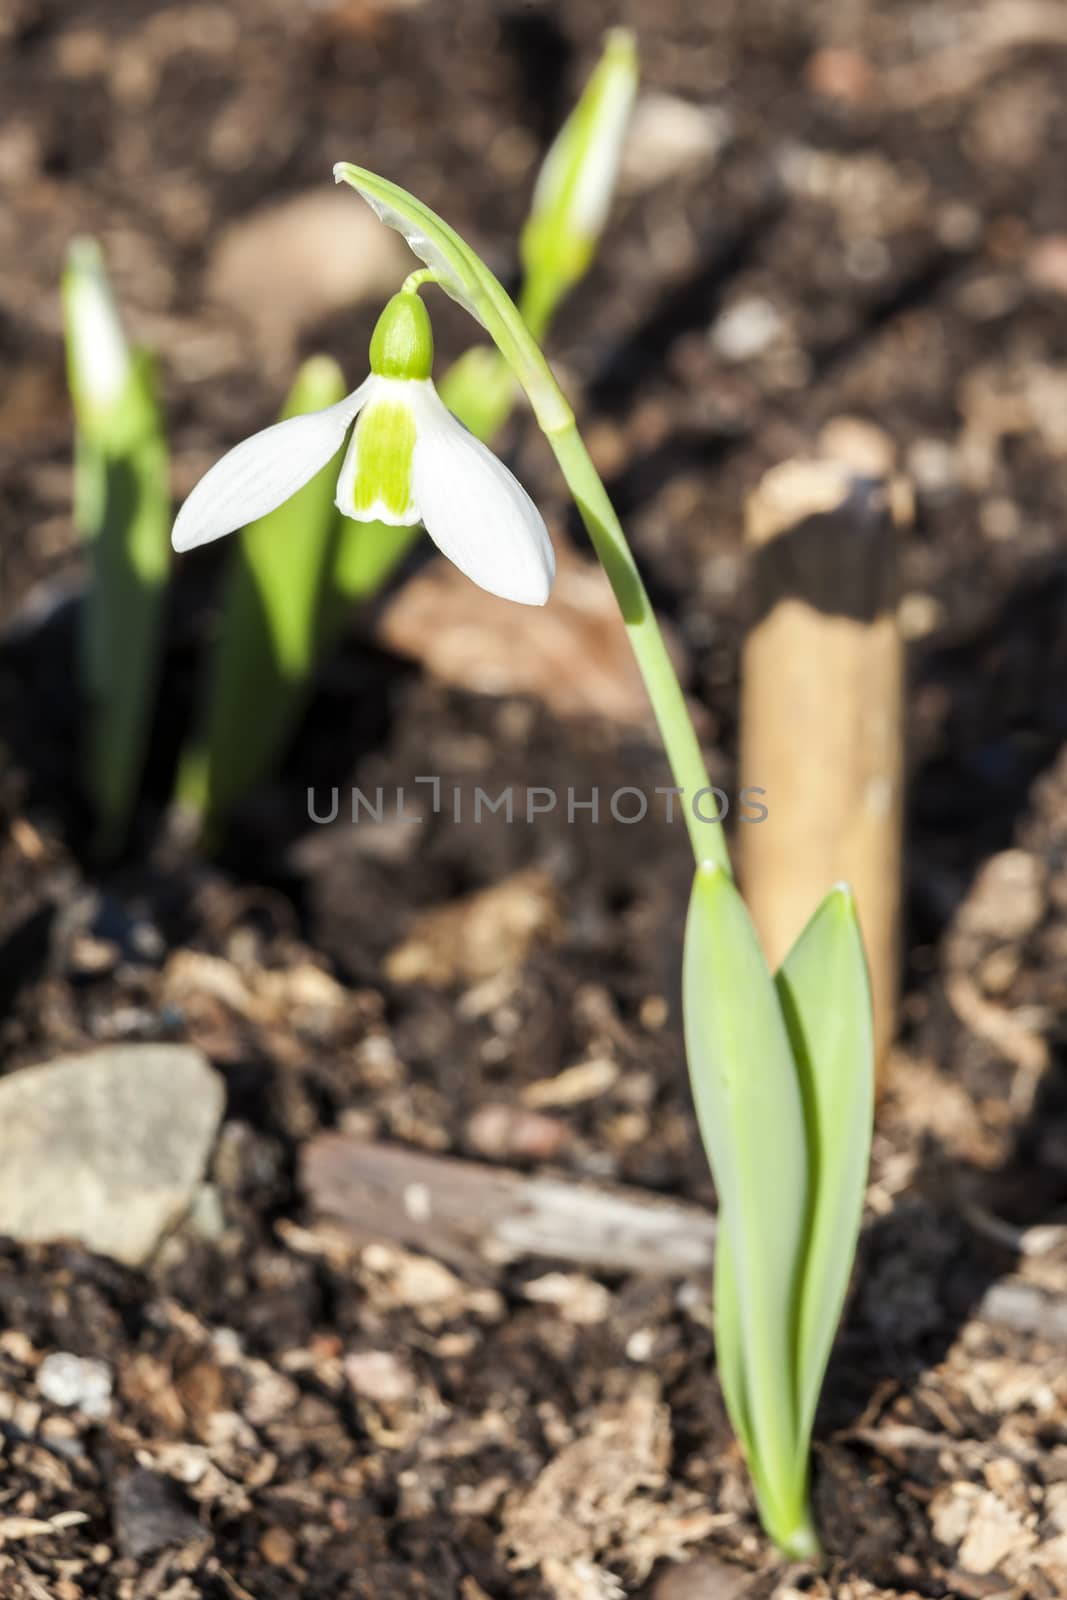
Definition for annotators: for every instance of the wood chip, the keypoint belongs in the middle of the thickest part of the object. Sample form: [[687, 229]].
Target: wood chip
[[572, 1087]]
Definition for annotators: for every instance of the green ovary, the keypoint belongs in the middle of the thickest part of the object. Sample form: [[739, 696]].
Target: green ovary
[[385, 445]]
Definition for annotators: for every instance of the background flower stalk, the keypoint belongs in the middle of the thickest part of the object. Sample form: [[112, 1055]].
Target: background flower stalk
[[122, 509]]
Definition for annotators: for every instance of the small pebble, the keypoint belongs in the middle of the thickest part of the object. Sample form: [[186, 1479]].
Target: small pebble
[[1046, 263], [859, 444], [578, 1299], [574, 1085], [704, 1578], [932, 464], [151, 1512], [1000, 518], [919, 615], [513, 1133], [277, 1547], [654, 1012], [77, 1383], [379, 1376], [90, 957], [837, 73], [747, 329], [640, 1344], [669, 136], [1007, 898]]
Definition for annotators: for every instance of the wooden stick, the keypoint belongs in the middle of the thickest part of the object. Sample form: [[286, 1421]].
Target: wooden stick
[[822, 712], [470, 1213], [479, 1217]]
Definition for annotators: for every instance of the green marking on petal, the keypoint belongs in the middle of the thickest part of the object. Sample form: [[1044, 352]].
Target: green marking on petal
[[385, 445]]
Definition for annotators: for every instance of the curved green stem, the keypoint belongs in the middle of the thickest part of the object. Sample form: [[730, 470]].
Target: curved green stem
[[460, 272], [661, 681], [416, 279]]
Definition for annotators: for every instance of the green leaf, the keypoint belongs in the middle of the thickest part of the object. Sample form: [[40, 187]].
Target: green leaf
[[730, 1365], [267, 643], [730, 1339], [751, 1119], [365, 555], [825, 999], [123, 510]]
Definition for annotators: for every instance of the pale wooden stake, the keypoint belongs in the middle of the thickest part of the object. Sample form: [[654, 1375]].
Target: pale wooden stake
[[822, 710]]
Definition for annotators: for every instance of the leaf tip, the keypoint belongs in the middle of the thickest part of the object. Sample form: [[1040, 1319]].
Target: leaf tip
[[841, 896], [621, 43]]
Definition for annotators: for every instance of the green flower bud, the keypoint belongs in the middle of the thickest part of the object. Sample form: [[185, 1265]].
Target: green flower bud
[[99, 360], [577, 181], [402, 343]]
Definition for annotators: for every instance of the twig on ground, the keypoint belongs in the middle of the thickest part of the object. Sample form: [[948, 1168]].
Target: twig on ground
[[468, 1212]]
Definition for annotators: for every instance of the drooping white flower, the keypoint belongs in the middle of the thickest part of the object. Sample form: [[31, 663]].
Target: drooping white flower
[[408, 460]]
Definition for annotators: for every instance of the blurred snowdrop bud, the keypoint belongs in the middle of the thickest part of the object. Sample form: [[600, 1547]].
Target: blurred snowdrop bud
[[98, 356], [574, 189]]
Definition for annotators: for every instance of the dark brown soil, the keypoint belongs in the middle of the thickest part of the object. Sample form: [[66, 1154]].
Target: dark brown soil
[[890, 183]]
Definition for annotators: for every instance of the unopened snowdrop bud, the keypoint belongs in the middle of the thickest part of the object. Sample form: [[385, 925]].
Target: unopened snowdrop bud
[[98, 357], [408, 460], [401, 345], [575, 186]]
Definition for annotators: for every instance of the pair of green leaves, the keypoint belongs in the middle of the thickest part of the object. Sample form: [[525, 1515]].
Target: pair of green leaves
[[123, 512], [782, 1072], [276, 586]]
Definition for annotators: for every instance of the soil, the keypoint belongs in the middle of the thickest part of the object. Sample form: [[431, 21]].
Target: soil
[[297, 1412]]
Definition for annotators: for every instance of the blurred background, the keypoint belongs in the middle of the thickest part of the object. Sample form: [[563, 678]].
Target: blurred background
[[825, 210], [840, 226]]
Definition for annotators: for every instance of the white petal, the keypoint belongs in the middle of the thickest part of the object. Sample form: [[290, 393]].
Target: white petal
[[475, 512], [258, 474]]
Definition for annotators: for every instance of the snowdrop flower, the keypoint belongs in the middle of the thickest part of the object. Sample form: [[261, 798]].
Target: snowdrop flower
[[408, 460]]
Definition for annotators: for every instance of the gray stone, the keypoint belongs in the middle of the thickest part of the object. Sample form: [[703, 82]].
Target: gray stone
[[106, 1148], [669, 136], [747, 328], [151, 1512]]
